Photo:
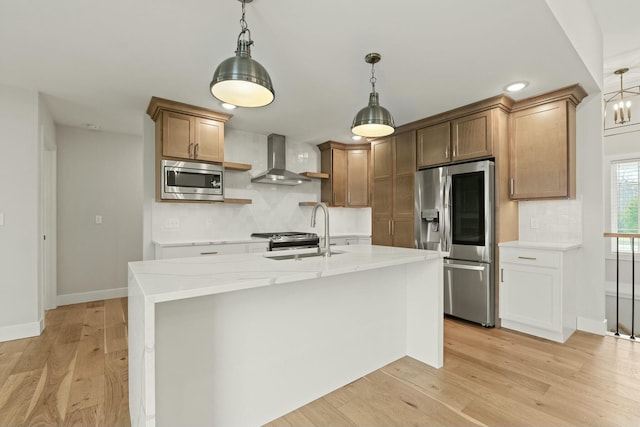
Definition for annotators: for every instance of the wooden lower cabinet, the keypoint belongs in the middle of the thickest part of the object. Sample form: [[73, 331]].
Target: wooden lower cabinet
[[393, 176]]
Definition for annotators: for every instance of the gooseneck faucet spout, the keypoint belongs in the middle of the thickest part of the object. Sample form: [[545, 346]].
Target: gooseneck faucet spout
[[326, 250]]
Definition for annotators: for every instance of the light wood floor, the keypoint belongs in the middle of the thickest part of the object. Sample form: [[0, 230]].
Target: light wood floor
[[75, 373]]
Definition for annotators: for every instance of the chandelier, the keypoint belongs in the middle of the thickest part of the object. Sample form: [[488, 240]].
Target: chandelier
[[621, 106]]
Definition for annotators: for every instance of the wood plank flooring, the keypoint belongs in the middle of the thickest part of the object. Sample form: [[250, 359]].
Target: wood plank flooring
[[75, 374], [492, 377]]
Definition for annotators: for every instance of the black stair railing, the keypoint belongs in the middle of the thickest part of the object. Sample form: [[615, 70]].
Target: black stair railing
[[632, 237]]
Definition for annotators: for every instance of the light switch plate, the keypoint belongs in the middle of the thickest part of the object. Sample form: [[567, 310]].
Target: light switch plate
[[1, 219], [172, 223], [98, 219], [534, 222]]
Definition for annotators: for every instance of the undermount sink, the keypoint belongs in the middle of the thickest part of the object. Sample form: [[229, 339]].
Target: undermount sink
[[299, 257]]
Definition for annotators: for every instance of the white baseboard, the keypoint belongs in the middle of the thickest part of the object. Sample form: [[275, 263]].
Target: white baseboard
[[92, 296], [598, 327], [23, 330]]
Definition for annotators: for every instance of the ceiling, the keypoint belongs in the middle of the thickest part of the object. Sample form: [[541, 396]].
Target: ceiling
[[100, 62]]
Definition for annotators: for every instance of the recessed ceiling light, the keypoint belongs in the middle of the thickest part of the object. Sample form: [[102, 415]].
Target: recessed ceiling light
[[517, 86], [228, 106], [356, 137]]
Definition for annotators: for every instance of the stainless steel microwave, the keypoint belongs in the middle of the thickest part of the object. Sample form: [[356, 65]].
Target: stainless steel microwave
[[191, 181]]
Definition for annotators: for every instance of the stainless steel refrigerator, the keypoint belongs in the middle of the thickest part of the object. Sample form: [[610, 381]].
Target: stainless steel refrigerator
[[454, 213]]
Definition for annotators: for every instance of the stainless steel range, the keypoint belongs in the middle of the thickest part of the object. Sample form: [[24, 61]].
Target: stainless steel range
[[290, 240]]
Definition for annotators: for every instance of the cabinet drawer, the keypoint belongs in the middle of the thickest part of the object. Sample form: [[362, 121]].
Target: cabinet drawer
[[185, 251], [532, 257]]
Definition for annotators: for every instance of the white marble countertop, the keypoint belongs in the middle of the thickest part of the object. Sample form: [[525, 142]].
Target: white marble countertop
[[553, 246], [174, 279], [203, 242]]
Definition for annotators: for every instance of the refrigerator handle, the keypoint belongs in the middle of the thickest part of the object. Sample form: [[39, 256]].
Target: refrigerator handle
[[446, 201]]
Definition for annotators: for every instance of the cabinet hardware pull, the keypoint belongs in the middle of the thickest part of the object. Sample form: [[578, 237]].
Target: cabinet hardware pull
[[393, 227], [455, 149], [446, 152], [389, 227], [511, 187], [189, 149], [208, 253], [528, 257], [195, 151], [502, 275]]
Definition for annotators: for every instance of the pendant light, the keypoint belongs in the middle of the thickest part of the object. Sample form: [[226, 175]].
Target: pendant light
[[373, 120], [240, 80]]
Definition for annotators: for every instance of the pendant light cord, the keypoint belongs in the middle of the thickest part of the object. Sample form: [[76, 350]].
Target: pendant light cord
[[244, 28]]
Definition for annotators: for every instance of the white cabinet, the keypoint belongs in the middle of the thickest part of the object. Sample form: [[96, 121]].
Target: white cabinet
[[537, 291], [202, 249]]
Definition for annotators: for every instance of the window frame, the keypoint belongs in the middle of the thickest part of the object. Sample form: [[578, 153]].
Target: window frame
[[610, 243]]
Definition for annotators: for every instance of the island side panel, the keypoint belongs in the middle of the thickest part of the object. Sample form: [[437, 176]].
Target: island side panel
[[141, 336], [247, 357], [425, 312]]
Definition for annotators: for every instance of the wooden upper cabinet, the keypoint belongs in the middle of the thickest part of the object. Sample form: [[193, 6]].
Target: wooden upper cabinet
[[358, 178], [471, 136], [393, 173], [209, 141], [434, 144], [463, 138], [187, 131], [348, 169], [542, 149]]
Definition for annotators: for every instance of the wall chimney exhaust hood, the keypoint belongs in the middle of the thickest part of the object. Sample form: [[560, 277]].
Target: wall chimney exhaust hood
[[276, 164]]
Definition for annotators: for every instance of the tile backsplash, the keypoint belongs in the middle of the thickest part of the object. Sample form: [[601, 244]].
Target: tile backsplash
[[273, 207], [550, 221]]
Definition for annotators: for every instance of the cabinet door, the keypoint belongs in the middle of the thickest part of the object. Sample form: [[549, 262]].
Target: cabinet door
[[177, 135], [531, 296], [403, 232], [358, 178], [382, 193], [339, 177], [433, 145], [381, 231], [382, 164], [539, 152], [209, 142], [472, 136], [404, 162]]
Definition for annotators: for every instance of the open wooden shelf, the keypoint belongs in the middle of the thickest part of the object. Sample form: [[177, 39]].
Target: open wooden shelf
[[238, 201], [236, 166], [316, 175]]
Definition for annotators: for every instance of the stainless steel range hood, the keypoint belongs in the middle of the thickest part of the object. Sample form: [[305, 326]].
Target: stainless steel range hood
[[276, 172]]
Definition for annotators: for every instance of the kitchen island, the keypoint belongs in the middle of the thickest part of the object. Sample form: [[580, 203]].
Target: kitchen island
[[242, 339]]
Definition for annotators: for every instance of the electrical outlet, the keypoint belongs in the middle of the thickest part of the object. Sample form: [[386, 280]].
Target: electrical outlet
[[98, 219], [534, 223], [172, 223]]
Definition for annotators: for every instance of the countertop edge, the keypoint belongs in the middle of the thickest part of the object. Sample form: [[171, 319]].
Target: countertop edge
[[548, 246]]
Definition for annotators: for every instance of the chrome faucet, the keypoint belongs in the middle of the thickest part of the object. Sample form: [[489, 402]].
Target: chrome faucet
[[326, 250]]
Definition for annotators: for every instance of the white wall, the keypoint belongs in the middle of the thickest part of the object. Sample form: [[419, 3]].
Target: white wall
[[19, 175], [273, 208], [99, 173]]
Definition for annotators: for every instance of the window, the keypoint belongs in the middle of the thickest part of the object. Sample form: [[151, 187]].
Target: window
[[625, 188]]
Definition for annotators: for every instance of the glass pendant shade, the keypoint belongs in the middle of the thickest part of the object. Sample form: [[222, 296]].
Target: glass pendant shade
[[373, 120], [242, 81]]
